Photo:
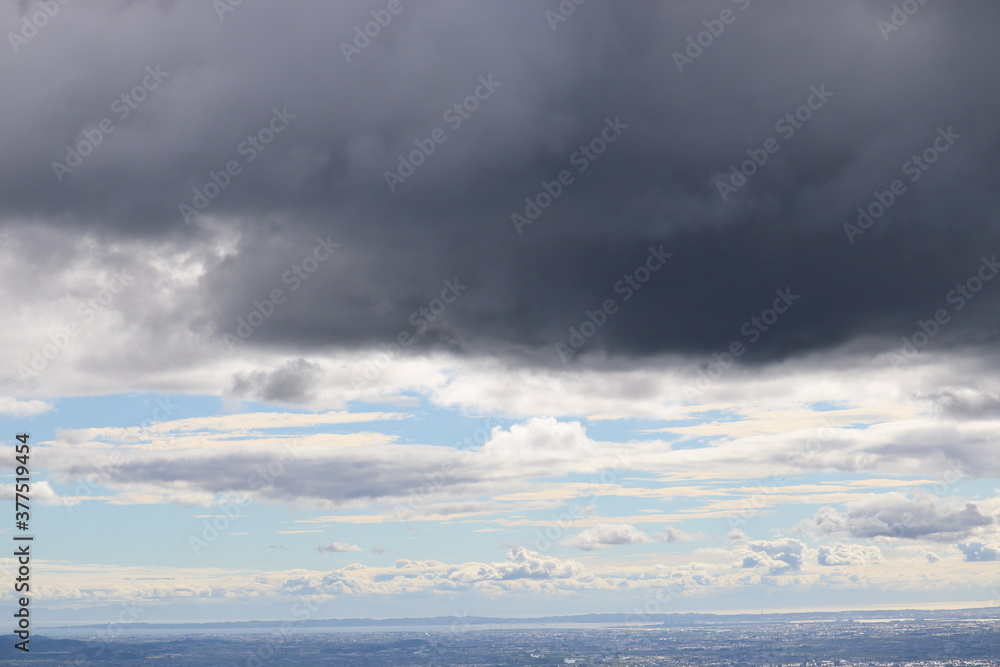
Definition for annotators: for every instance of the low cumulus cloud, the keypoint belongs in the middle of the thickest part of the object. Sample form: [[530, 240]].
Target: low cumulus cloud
[[834, 555], [776, 556], [540, 439], [521, 570], [896, 515]]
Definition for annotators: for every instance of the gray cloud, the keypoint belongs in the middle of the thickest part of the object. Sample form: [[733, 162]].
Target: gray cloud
[[291, 383], [655, 185], [967, 403], [895, 515], [670, 535], [331, 469], [980, 551], [604, 535]]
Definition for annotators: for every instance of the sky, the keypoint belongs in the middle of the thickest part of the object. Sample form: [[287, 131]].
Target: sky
[[500, 308]]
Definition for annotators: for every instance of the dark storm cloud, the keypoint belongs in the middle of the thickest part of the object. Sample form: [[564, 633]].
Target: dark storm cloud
[[542, 93]]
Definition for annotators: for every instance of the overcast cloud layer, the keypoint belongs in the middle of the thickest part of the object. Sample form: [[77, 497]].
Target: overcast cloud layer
[[344, 124]]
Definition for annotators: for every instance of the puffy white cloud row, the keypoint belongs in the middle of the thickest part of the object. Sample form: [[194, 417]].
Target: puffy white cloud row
[[783, 562]]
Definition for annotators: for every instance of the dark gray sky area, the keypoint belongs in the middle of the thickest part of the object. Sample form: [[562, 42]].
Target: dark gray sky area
[[300, 117]]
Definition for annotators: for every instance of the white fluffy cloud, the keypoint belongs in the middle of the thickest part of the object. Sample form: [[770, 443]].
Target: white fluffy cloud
[[12, 407], [540, 439], [521, 570], [848, 554], [776, 556], [41, 492]]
